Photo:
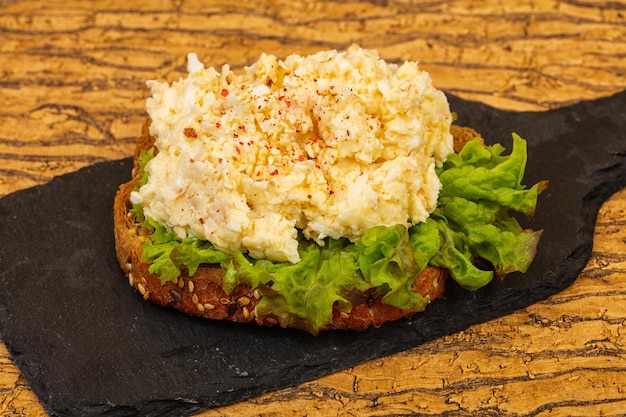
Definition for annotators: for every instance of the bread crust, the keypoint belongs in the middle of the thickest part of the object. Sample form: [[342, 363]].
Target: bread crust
[[202, 295]]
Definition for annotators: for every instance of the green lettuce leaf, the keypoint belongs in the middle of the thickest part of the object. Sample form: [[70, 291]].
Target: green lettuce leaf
[[144, 157], [168, 256], [302, 295], [482, 173], [480, 187], [385, 258]]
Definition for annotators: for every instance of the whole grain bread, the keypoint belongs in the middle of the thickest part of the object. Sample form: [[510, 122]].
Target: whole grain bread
[[203, 295]]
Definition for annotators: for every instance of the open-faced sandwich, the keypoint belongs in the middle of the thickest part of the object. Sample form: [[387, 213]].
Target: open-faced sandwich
[[330, 191]]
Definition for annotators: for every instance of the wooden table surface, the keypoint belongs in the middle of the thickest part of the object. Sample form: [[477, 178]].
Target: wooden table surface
[[72, 85]]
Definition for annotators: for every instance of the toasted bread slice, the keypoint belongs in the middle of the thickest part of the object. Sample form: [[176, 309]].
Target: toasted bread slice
[[203, 294]]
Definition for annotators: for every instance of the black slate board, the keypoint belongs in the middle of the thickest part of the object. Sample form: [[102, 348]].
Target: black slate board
[[88, 345]]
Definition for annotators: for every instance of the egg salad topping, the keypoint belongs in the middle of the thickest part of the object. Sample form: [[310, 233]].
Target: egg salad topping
[[332, 144]]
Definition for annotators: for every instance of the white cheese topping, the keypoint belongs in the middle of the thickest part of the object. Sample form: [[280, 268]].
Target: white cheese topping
[[332, 144]]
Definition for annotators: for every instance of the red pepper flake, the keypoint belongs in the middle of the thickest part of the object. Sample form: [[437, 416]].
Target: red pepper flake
[[331, 192], [309, 196], [190, 132], [275, 172], [192, 160], [201, 220], [241, 127], [224, 92], [288, 103], [301, 158], [218, 125], [317, 166]]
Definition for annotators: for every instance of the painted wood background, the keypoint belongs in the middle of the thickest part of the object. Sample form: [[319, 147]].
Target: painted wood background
[[72, 91]]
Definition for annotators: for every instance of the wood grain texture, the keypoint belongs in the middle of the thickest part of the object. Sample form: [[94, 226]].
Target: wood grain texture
[[72, 83]]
